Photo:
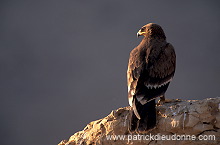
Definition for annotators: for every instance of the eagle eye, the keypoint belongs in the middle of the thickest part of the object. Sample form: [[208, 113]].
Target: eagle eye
[[143, 29]]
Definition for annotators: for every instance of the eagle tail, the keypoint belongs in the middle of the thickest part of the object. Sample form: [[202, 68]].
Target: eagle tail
[[148, 116], [147, 113]]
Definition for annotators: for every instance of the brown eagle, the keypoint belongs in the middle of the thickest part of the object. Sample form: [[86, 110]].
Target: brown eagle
[[151, 67]]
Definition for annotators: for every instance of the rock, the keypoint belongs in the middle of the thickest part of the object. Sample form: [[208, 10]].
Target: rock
[[190, 120]]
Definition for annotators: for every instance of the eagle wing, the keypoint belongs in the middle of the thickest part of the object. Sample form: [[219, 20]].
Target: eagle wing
[[146, 71], [161, 68], [136, 66]]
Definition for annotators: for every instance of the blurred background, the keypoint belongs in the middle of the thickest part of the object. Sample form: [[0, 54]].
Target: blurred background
[[63, 62]]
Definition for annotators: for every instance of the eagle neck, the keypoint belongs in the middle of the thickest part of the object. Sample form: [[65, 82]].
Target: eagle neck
[[146, 41]]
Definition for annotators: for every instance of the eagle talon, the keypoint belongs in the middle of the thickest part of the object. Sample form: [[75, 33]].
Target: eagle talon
[[161, 102]]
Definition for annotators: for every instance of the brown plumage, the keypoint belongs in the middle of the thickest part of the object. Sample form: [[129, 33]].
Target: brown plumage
[[151, 67]]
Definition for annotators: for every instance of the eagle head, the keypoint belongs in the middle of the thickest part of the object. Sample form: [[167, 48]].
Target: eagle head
[[151, 30]]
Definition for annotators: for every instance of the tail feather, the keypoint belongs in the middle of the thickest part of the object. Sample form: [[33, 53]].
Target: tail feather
[[148, 116], [147, 113]]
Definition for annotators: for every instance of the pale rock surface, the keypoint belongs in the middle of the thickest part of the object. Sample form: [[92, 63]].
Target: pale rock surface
[[191, 117]]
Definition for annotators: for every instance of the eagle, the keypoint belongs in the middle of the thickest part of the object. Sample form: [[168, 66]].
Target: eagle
[[151, 68]]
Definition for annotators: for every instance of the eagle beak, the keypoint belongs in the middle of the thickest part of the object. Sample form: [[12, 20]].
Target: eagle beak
[[139, 33]]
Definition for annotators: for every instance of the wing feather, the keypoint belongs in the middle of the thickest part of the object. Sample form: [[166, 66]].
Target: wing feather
[[162, 67], [150, 69], [136, 66]]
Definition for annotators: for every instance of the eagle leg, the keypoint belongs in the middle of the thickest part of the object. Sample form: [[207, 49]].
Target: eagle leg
[[163, 100]]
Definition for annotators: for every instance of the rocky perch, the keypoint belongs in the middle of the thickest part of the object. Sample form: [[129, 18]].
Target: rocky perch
[[191, 122]]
